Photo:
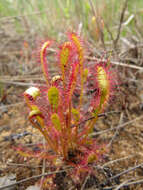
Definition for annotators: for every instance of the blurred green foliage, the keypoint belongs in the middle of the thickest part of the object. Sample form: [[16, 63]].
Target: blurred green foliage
[[53, 17]]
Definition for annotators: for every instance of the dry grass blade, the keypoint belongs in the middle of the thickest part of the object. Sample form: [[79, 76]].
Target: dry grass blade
[[30, 178], [24, 78], [44, 164], [126, 65], [122, 184], [125, 185], [117, 130], [117, 160], [83, 185], [96, 13], [21, 83], [126, 171], [109, 31], [119, 126], [121, 22], [131, 17], [116, 63], [23, 165]]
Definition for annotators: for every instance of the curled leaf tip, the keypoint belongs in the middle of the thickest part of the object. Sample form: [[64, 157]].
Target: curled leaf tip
[[43, 59], [34, 113], [32, 92], [56, 78]]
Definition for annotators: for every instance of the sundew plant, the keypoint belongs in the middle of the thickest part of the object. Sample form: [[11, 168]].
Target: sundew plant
[[66, 109]]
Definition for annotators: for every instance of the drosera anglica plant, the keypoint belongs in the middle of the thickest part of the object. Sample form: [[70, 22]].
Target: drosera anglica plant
[[59, 110]]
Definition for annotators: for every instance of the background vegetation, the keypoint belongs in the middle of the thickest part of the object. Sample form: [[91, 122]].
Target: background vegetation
[[54, 17]]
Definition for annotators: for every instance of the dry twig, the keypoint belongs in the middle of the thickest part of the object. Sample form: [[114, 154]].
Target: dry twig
[[117, 130], [122, 184], [126, 171], [117, 160], [115, 63], [30, 178], [85, 181], [125, 185], [120, 24], [119, 126], [21, 83]]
